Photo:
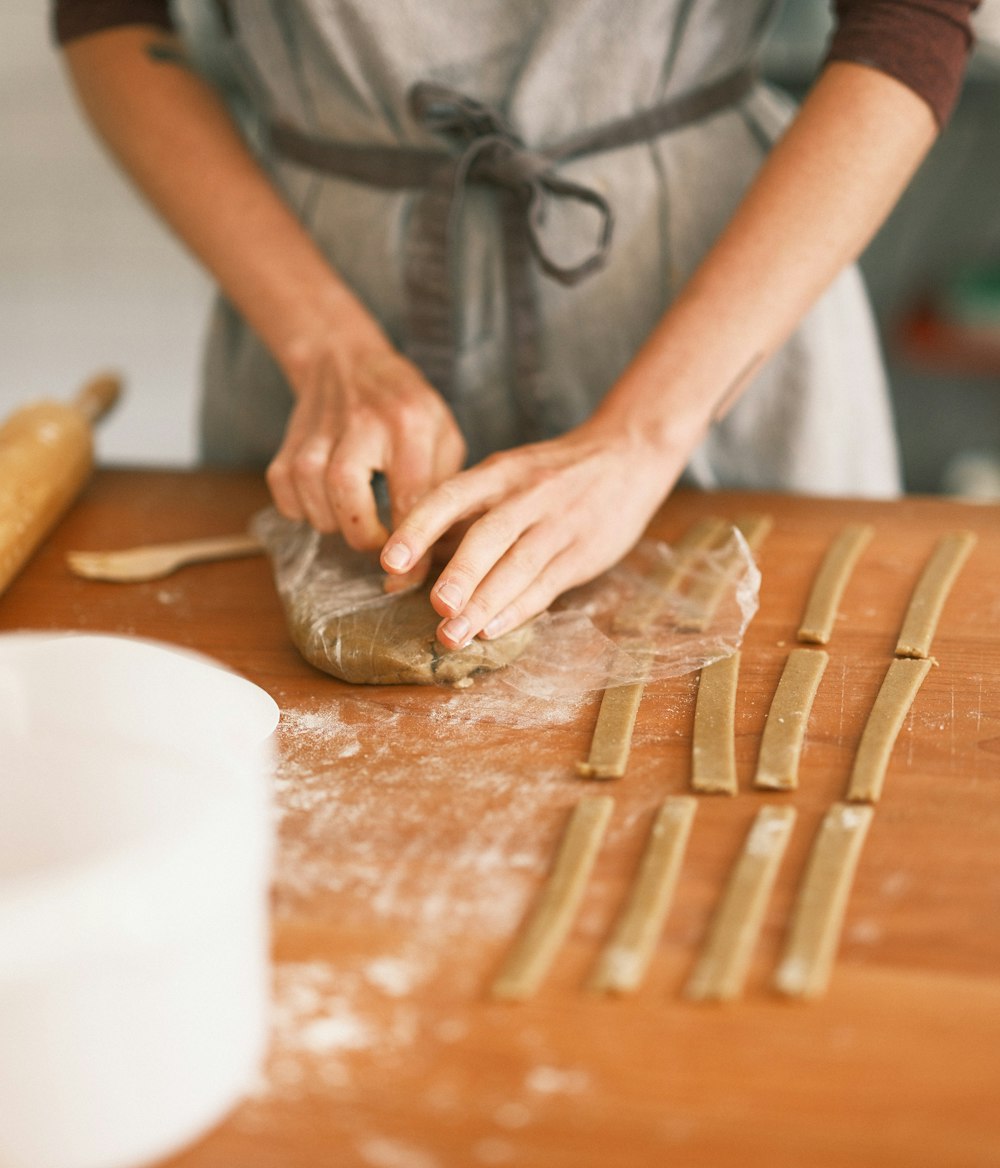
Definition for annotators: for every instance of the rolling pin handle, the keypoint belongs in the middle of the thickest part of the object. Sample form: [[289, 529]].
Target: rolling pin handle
[[97, 397]]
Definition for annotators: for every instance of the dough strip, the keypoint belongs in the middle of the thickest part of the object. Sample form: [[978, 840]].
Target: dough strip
[[713, 742], [900, 685], [828, 587], [625, 958], [706, 594], [785, 729], [722, 967], [818, 914], [550, 920], [930, 593], [612, 740]]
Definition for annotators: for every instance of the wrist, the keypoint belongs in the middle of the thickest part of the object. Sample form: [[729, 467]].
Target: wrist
[[654, 416], [690, 371], [320, 322]]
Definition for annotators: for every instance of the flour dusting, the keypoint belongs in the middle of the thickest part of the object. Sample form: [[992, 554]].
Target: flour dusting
[[418, 825], [385, 1153], [312, 1012], [394, 976], [354, 780], [557, 1080]]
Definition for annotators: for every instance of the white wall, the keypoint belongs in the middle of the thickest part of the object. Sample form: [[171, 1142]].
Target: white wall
[[88, 277]]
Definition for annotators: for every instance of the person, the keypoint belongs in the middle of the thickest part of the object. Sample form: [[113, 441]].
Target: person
[[530, 264]]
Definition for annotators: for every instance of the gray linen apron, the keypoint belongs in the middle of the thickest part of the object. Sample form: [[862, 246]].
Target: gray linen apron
[[816, 418]]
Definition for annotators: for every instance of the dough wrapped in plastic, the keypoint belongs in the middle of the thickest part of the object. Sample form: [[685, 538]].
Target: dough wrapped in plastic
[[342, 620]]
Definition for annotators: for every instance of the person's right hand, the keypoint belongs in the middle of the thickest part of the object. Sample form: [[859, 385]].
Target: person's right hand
[[361, 408]]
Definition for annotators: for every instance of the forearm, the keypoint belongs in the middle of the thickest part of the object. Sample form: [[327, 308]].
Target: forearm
[[176, 140], [361, 409], [822, 193]]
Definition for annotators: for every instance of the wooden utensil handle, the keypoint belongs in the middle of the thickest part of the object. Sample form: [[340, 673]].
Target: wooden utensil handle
[[98, 396]]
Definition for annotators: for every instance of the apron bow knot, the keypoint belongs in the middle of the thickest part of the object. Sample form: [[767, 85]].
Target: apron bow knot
[[491, 153]]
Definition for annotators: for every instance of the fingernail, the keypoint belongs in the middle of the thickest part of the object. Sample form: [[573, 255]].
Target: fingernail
[[496, 626], [397, 558], [450, 596], [457, 631]]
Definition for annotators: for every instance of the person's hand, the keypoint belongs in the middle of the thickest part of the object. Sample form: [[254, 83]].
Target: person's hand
[[361, 408], [546, 518]]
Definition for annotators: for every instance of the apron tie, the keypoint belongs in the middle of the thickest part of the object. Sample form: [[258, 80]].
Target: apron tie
[[489, 152], [492, 153], [484, 150]]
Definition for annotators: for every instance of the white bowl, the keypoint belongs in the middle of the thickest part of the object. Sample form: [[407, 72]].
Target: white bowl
[[135, 846]]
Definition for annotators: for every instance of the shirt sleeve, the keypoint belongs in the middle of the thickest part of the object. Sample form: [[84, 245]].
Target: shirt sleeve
[[76, 18], [925, 44]]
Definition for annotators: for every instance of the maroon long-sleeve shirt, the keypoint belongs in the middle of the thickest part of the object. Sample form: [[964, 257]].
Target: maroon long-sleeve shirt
[[922, 43]]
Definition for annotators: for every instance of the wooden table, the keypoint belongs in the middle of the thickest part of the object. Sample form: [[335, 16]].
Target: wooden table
[[416, 825]]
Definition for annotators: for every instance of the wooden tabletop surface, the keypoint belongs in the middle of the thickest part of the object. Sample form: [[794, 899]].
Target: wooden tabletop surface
[[415, 826]]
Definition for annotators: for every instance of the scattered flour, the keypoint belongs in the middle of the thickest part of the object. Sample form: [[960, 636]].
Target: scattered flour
[[312, 1014], [324, 1020], [381, 1152], [394, 976], [865, 932], [351, 785], [436, 837], [339, 1032], [557, 1080]]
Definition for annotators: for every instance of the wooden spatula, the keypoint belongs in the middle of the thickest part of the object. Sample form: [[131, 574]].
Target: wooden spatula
[[154, 561]]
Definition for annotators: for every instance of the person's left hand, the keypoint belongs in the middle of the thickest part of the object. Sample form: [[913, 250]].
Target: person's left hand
[[545, 518]]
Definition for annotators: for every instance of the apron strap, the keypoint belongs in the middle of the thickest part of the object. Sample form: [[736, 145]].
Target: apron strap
[[486, 151]]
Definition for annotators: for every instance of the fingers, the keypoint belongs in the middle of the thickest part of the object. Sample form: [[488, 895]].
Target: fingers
[[330, 486], [342, 433], [349, 488], [523, 583], [563, 573], [418, 463], [452, 501], [511, 542], [509, 560], [416, 575], [281, 484]]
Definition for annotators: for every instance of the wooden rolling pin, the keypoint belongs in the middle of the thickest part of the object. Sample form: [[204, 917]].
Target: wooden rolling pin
[[46, 455]]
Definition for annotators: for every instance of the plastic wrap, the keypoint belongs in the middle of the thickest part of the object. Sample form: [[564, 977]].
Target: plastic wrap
[[655, 615], [342, 620]]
